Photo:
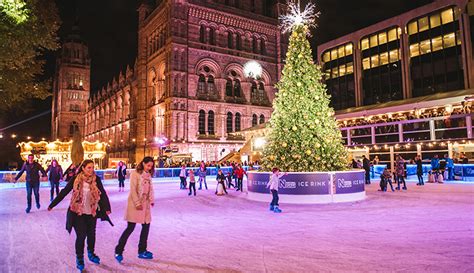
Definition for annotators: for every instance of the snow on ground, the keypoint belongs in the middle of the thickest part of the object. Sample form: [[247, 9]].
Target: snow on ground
[[424, 229]]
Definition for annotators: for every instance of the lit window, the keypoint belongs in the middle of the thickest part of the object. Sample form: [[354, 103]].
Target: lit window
[[364, 44], [412, 28], [414, 50], [328, 73], [392, 34], [435, 20], [425, 47], [447, 16], [366, 63], [334, 54], [349, 68], [342, 70], [334, 73], [437, 43], [448, 40], [393, 56], [348, 49], [373, 41], [326, 57], [341, 52], [383, 58], [374, 60], [382, 38], [423, 24]]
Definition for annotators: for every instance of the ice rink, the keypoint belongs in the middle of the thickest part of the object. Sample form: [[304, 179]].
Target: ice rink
[[424, 229]]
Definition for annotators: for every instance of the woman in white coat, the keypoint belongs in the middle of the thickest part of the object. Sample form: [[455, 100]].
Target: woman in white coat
[[140, 201]]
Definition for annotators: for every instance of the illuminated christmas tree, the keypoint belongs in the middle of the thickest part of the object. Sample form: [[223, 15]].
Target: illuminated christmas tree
[[304, 135]]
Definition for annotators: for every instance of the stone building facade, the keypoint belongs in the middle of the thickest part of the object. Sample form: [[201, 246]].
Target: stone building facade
[[187, 93]]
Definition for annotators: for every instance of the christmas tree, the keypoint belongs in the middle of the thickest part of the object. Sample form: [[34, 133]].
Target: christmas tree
[[303, 134]]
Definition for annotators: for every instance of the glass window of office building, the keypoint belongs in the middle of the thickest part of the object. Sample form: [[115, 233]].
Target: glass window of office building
[[338, 65], [435, 53], [381, 67]]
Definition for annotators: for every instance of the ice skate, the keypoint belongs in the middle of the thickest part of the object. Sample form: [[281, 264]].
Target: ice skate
[[93, 258]]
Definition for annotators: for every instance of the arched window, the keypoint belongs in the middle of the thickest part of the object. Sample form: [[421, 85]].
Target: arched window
[[210, 122], [229, 122], [211, 87], [237, 122], [254, 45], [228, 88], [254, 119], [201, 84], [202, 122], [262, 119], [202, 34], [254, 91], [262, 46], [73, 128], [237, 89], [230, 40], [261, 91], [212, 36], [238, 41]]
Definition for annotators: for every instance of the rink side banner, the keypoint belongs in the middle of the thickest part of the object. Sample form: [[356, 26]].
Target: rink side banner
[[292, 183], [349, 182]]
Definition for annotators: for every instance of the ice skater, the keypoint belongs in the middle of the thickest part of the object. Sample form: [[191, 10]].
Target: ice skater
[[121, 173], [140, 201], [220, 188], [400, 172], [202, 176], [192, 182], [240, 172], [182, 177], [273, 185], [229, 180], [55, 175], [70, 172], [32, 169], [419, 170], [386, 178], [89, 201]]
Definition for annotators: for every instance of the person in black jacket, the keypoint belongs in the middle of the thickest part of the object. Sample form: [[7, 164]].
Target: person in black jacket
[[366, 165], [32, 169], [419, 170], [220, 181], [89, 201], [55, 175], [121, 173], [70, 172]]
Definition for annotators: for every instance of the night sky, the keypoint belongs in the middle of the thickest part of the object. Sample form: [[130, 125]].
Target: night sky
[[109, 27]]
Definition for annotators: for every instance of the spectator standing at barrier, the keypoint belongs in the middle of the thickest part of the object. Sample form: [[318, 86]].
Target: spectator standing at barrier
[[435, 167], [376, 160], [121, 173], [419, 170], [400, 172], [463, 159], [182, 177], [240, 172], [354, 164], [55, 175], [442, 166], [32, 169], [450, 167], [366, 166]]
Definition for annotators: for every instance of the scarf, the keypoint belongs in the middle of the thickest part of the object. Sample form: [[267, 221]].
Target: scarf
[[77, 194], [145, 176]]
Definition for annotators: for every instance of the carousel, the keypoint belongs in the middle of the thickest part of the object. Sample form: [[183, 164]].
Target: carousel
[[45, 152]]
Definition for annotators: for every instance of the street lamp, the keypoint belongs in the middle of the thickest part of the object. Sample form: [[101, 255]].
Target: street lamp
[[252, 69]]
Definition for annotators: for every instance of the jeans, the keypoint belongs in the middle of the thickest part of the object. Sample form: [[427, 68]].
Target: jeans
[[274, 198], [367, 176], [121, 183], [29, 189], [183, 182], [229, 182], [84, 226], [239, 184], [202, 178], [420, 178], [54, 185], [127, 232], [192, 186], [401, 179]]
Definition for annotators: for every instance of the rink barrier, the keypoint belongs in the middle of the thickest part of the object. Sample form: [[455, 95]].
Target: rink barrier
[[309, 187], [9, 176]]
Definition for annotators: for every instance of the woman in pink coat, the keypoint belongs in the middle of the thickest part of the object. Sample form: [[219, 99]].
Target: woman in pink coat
[[140, 201]]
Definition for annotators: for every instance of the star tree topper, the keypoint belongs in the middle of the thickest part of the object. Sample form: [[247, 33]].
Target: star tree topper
[[296, 17]]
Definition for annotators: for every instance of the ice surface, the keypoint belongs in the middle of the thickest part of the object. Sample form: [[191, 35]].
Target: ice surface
[[424, 229]]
